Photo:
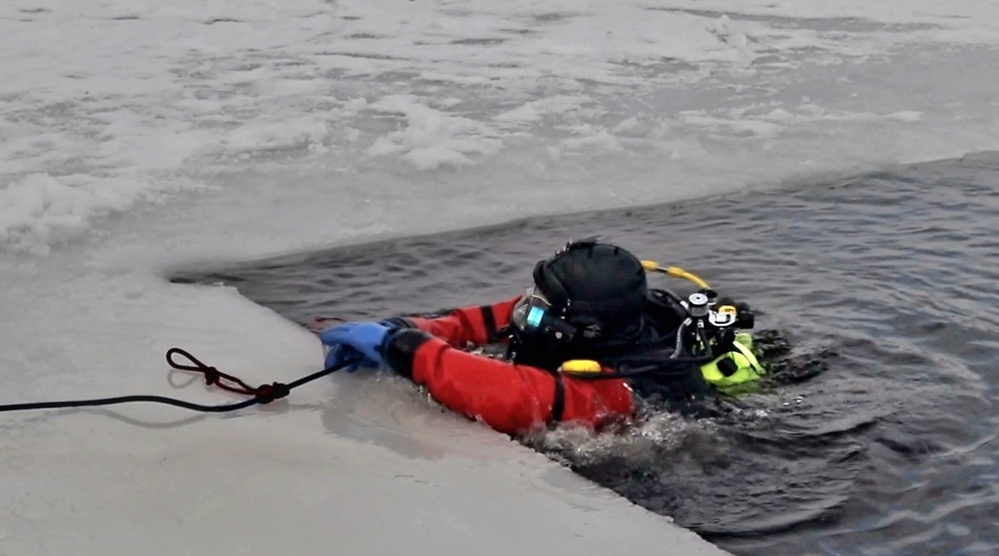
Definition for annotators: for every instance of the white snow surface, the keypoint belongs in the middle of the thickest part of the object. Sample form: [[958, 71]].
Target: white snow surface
[[139, 136]]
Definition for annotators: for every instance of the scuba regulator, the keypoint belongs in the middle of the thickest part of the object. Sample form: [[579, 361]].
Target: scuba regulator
[[714, 328]]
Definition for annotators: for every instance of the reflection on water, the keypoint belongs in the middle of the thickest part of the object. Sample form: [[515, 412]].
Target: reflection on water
[[877, 299]]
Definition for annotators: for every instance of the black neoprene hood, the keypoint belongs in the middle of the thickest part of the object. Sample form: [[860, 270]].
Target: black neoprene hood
[[589, 279]]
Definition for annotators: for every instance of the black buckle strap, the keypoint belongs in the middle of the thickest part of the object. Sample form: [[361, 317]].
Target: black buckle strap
[[558, 401], [489, 320]]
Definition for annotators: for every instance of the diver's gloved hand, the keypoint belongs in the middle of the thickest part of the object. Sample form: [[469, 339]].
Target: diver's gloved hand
[[356, 344], [342, 356]]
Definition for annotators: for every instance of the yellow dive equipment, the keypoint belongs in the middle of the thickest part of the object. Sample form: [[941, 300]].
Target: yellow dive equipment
[[736, 369], [580, 366]]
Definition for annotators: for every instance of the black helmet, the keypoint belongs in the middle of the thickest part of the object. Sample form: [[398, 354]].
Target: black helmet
[[598, 288]]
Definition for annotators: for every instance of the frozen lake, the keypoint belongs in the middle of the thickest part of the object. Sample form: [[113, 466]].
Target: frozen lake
[[138, 138]]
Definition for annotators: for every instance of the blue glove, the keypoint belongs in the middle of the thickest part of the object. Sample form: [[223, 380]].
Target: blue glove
[[359, 343], [341, 356]]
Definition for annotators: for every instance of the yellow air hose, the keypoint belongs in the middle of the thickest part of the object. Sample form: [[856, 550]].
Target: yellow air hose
[[675, 272]]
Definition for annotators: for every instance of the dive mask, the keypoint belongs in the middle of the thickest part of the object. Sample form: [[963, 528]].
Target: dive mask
[[533, 313], [528, 313]]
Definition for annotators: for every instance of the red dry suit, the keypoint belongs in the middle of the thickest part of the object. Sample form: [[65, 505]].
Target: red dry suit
[[508, 397]]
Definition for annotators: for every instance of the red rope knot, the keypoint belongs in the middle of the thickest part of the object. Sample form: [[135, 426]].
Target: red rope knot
[[266, 393], [212, 375]]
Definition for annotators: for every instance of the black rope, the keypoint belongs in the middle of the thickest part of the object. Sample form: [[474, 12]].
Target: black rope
[[128, 399], [263, 394]]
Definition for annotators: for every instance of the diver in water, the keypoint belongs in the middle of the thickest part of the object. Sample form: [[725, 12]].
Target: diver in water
[[589, 343]]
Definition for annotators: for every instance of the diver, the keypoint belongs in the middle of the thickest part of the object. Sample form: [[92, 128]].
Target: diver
[[590, 343]]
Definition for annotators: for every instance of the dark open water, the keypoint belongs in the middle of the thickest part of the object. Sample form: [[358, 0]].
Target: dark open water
[[878, 299]]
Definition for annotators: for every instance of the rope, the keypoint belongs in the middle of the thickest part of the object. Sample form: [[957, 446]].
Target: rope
[[263, 394]]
